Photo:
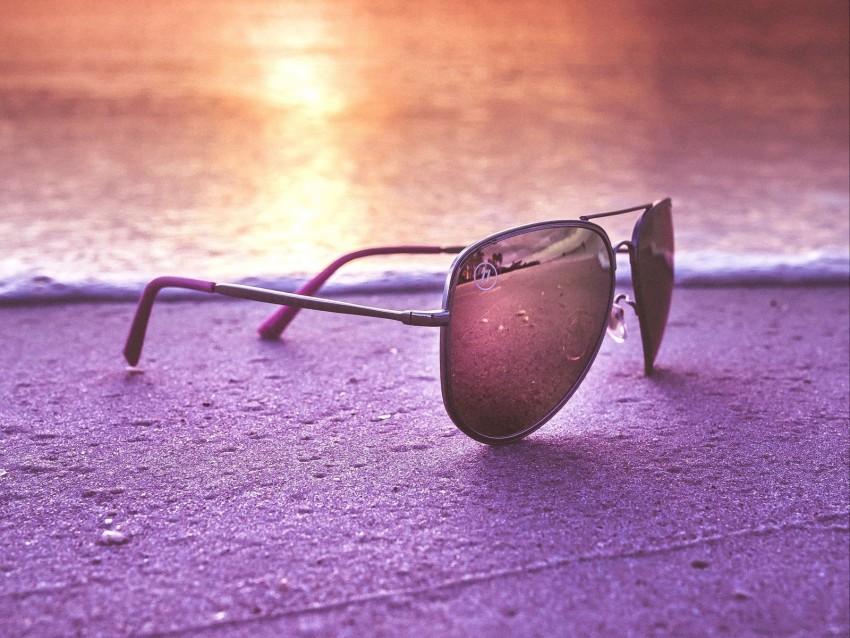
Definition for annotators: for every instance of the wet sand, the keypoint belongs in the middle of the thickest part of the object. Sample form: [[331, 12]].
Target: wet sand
[[316, 486]]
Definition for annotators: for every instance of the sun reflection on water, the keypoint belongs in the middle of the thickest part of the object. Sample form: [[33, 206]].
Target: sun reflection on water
[[241, 138], [304, 83]]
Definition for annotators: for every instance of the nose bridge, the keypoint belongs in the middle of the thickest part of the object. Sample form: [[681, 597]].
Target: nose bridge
[[624, 248], [616, 327]]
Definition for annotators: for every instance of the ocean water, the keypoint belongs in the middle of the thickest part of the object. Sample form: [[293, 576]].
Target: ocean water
[[256, 140]]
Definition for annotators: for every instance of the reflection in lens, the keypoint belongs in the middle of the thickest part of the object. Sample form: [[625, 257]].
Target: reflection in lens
[[525, 327], [653, 277]]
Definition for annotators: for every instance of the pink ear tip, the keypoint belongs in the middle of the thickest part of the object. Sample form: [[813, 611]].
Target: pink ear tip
[[133, 347], [131, 356], [274, 326], [267, 331], [136, 338]]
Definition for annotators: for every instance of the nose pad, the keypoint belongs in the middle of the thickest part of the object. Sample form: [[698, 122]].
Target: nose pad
[[617, 323]]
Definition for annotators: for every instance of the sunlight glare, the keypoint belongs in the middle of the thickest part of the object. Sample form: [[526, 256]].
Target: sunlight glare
[[306, 83]]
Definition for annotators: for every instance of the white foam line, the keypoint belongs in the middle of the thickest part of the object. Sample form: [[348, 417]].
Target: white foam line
[[706, 268]]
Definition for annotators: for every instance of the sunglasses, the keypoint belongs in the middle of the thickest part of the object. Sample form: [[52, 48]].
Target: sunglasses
[[524, 313]]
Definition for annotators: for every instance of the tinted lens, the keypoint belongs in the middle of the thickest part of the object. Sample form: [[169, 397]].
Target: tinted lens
[[653, 276], [528, 313]]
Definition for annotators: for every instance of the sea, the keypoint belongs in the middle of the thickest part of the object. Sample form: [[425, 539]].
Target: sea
[[256, 140]]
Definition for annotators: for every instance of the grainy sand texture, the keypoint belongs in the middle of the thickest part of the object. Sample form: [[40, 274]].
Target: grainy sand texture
[[315, 486]]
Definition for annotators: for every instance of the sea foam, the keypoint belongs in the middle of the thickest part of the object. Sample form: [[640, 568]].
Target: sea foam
[[706, 268]]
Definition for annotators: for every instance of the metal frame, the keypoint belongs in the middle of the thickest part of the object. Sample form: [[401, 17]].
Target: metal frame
[[643, 207], [439, 318], [277, 322], [427, 318], [445, 332], [136, 337]]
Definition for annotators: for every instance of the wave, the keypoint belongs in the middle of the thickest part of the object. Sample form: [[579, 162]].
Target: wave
[[696, 269], [713, 268]]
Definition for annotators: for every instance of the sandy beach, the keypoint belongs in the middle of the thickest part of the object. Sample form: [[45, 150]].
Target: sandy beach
[[316, 487]]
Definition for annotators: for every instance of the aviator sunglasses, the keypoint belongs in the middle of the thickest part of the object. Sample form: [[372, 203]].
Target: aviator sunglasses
[[524, 313]]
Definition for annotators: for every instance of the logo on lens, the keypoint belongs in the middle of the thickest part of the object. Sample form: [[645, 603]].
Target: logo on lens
[[485, 275]]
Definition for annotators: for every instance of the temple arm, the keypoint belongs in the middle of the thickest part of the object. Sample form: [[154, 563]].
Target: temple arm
[[633, 209], [272, 327], [135, 340]]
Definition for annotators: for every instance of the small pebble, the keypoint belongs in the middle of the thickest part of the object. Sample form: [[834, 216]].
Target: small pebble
[[113, 537]]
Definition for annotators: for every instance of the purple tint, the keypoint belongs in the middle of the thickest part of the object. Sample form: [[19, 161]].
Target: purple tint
[[652, 273], [136, 338], [274, 326], [528, 313]]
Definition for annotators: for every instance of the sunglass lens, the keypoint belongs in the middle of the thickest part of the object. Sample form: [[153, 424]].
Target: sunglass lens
[[653, 276], [528, 313]]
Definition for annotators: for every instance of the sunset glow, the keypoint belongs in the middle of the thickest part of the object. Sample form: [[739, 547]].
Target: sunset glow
[[265, 137]]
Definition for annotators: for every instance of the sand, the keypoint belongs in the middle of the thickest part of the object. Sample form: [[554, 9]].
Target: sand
[[316, 487]]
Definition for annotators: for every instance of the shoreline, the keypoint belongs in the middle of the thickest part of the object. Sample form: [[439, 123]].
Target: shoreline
[[316, 486], [381, 286]]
